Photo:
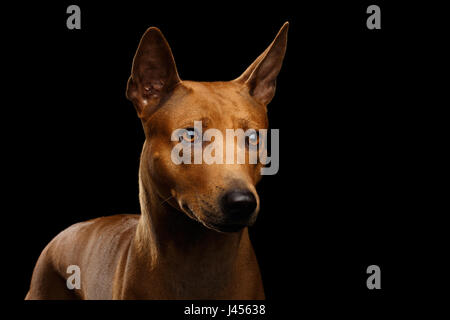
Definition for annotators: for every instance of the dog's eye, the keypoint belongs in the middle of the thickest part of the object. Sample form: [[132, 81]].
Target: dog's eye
[[189, 135], [253, 139]]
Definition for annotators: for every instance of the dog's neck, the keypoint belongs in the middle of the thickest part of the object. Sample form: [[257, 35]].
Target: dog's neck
[[174, 257], [165, 234]]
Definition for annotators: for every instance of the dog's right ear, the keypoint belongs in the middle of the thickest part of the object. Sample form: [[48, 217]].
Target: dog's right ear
[[153, 74]]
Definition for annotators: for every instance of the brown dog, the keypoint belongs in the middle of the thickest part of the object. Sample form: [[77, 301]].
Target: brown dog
[[191, 240]]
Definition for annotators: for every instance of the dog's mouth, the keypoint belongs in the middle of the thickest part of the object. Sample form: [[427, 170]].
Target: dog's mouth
[[221, 227], [189, 212], [227, 227]]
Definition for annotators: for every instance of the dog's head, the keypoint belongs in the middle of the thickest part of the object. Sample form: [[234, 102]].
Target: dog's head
[[221, 196]]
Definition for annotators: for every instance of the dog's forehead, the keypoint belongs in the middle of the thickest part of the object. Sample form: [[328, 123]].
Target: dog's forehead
[[226, 94], [213, 101]]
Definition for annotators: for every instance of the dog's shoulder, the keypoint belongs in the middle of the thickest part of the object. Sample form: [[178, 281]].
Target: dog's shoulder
[[95, 234]]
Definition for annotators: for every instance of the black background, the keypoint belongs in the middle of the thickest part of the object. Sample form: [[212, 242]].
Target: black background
[[342, 198]]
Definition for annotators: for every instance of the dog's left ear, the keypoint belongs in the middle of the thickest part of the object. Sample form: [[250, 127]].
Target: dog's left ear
[[153, 75], [261, 76]]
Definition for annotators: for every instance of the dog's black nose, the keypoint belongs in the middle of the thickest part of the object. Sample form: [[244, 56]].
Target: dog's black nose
[[239, 203]]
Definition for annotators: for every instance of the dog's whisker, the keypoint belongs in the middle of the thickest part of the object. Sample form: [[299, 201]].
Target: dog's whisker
[[166, 200]]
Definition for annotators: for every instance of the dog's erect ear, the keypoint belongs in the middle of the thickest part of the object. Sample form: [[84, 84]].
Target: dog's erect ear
[[153, 74], [261, 76]]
